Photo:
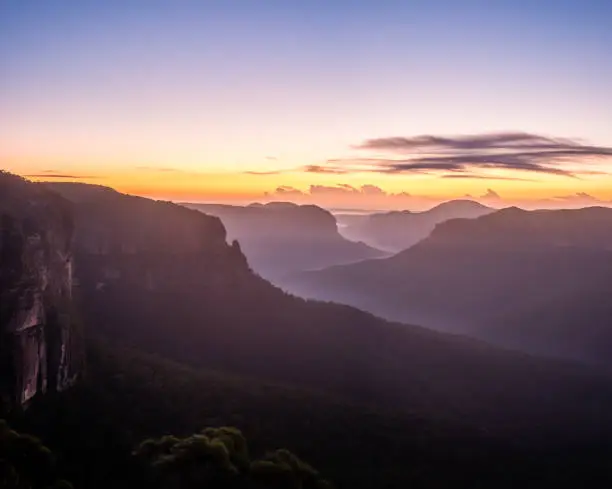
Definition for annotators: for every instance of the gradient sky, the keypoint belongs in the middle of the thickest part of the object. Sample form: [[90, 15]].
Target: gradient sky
[[230, 100]]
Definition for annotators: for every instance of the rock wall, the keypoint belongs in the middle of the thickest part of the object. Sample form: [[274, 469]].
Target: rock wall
[[40, 346]]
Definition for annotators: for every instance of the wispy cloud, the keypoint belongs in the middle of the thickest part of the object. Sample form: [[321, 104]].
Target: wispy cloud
[[478, 142], [266, 172], [490, 196], [476, 156], [581, 198], [159, 169], [469, 155], [57, 175], [286, 191], [471, 176], [331, 170]]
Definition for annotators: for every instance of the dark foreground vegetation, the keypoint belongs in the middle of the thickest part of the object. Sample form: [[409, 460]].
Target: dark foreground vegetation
[[128, 397]]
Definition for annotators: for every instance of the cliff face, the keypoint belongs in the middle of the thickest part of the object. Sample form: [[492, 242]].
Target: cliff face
[[155, 246], [276, 220], [39, 347]]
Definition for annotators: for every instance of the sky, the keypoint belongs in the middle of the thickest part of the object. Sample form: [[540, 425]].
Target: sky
[[348, 104]]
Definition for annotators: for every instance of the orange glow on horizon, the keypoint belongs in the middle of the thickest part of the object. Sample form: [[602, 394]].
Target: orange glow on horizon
[[334, 191]]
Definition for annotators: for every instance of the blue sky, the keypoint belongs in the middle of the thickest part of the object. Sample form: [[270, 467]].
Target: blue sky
[[218, 86]]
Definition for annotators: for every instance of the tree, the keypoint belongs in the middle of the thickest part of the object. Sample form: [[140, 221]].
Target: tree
[[25, 463], [219, 458], [282, 469]]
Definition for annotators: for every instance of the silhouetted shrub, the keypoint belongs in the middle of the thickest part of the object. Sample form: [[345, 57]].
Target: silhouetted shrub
[[25, 463], [219, 457]]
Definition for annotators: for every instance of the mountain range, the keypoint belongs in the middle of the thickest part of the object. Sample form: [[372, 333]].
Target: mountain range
[[532, 280]]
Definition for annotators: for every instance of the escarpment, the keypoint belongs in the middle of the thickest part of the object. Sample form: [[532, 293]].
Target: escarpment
[[40, 345], [151, 244]]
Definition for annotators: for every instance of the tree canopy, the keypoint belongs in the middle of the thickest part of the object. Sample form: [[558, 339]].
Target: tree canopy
[[25, 463], [219, 458]]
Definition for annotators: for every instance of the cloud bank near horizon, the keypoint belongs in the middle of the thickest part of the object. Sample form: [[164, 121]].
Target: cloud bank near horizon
[[372, 197]]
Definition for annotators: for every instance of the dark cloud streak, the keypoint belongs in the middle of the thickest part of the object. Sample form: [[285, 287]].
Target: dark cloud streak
[[504, 140], [470, 176], [158, 169], [59, 175], [264, 173], [447, 155], [331, 170]]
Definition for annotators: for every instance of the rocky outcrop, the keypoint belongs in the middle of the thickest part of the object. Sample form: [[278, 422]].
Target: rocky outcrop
[[538, 281], [273, 221], [40, 346]]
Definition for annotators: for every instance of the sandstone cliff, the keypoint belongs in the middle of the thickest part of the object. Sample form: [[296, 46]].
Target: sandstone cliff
[[40, 348], [152, 244]]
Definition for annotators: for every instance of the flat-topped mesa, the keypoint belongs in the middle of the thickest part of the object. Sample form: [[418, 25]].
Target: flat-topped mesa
[[282, 238], [40, 348], [279, 220]]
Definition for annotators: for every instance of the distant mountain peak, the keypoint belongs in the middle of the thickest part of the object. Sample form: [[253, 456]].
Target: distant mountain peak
[[462, 202], [459, 203], [398, 230]]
